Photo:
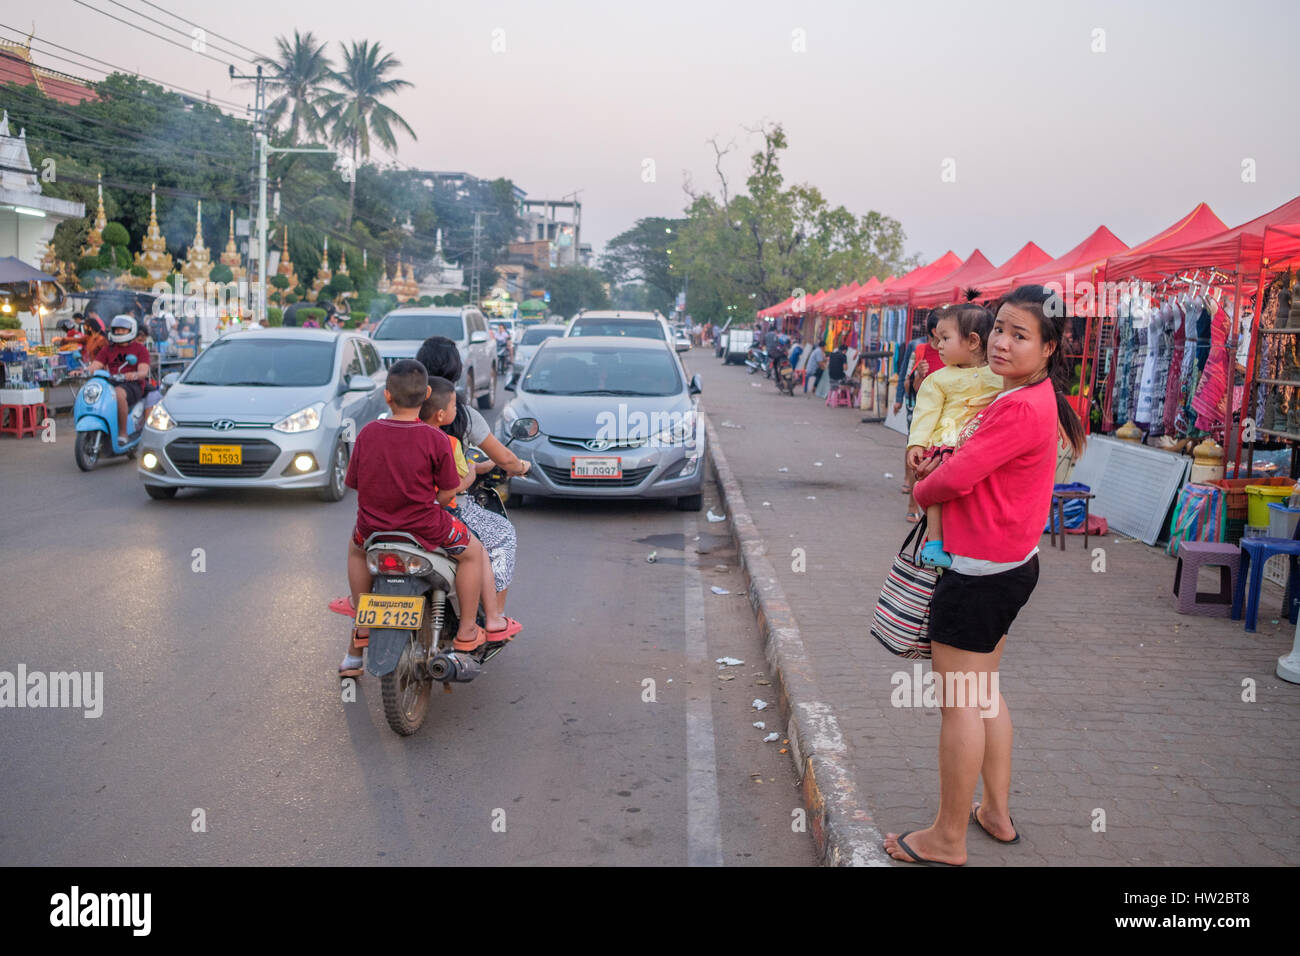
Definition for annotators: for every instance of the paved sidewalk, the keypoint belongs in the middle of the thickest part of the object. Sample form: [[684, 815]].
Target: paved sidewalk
[[1121, 706]]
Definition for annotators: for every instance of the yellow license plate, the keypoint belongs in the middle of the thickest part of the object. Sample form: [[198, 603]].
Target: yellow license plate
[[386, 610], [221, 454]]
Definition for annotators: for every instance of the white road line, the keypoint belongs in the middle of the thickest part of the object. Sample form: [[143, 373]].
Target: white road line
[[703, 822]]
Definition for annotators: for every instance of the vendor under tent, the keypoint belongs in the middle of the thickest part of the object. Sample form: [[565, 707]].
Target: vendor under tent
[[952, 287]]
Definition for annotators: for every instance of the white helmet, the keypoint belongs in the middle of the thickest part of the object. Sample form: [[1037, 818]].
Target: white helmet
[[122, 329]]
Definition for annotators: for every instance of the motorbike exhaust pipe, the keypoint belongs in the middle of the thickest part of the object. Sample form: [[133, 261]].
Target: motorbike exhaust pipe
[[454, 666]]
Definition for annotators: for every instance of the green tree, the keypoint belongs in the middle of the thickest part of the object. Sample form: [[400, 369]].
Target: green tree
[[299, 72], [641, 255], [354, 113], [576, 287]]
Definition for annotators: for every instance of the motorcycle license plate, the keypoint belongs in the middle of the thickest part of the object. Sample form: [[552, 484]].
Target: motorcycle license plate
[[221, 454], [387, 610], [595, 467]]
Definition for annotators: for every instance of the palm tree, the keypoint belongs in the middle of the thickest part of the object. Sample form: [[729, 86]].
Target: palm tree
[[299, 75], [354, 113]]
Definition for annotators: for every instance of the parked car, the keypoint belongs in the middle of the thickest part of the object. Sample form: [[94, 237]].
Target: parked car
[[645, 325], [401, 332], [681, 340], [617, 418], [265, 408], [530, 340]]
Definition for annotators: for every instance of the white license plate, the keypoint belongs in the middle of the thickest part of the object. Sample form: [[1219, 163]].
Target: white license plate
[[595, 467]]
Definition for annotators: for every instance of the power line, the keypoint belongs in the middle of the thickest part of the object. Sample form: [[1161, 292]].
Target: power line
[[209, 32], [158, 36], [168, 26], [204, 97]]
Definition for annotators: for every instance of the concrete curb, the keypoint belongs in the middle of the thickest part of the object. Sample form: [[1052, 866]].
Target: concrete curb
[[841, 827]]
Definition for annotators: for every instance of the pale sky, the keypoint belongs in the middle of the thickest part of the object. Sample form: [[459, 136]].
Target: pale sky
[[1049, 138]]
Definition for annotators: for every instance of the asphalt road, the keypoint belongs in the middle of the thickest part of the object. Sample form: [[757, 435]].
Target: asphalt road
[[221, 706]]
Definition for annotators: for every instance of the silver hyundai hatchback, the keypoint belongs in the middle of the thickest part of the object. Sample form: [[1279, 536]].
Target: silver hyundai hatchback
[[264, 408]]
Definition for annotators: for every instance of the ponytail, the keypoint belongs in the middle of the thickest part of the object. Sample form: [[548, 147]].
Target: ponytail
[[1049, 308]]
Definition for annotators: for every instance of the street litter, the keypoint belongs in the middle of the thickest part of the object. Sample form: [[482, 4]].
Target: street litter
[[838, 455], [758, 704], [889, 474], [726, 677], [771, 737], [764, 683], [725, 424], [817, 464], [714, 518], [760, 725], [812, 497], [767, 504], [783, 469], [719, 567], [651, 556], [718, 590], [729, 661], [755, 385]]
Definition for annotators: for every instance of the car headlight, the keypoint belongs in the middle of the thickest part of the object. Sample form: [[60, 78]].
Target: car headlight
[[92, 392], [301, 421], [680, 432], [159, 420]]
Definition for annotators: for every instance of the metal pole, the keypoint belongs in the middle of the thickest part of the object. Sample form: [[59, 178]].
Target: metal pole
[[261, 228]]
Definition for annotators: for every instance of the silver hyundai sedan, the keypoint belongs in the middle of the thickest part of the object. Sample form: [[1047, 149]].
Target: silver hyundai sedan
[[607, 417], [264, 408]]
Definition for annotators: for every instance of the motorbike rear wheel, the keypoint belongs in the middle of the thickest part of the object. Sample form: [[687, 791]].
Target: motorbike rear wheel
[[87, 449], [406, 690]]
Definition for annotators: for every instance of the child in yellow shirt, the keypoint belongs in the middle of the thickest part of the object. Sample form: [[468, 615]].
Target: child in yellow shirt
[[948, 399]]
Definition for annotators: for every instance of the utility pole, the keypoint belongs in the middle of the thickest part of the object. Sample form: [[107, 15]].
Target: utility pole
[[474, 283]]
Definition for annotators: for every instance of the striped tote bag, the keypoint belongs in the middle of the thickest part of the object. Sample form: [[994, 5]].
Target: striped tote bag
[[902, 618]]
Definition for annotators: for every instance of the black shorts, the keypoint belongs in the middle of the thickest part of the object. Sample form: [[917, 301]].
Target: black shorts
[[971, 612], [134, 392]]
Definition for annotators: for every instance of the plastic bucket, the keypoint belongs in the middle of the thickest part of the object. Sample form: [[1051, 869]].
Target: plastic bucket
[[1282, 520], [1259, 497]]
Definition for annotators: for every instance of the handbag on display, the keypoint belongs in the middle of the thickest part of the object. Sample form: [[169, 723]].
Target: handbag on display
[[902, 619]]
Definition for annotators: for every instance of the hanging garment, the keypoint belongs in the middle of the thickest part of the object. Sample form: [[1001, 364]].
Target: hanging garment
[[1164, 347], [1147, 386], [1124, 347], [1174, 379], [1210, 400], [1139, 310], [1184, 416]]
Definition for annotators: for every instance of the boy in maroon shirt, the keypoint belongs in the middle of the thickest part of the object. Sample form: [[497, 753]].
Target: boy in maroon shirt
[[403, 471]]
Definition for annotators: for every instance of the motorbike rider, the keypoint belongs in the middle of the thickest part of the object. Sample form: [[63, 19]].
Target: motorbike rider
[[128, 377], [503, 343]]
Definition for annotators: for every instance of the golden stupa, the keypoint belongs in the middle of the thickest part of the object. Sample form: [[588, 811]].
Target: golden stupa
[[383, 286], [285, 268], [153, 255], [412, 287], [231, 258], [198, 259], [323, 274], [96, 237]]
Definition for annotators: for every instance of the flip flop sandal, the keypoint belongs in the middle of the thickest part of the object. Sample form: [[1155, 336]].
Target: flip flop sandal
[[974, 815], [512, 628], [479, 640], [343, 606], [916, 858]]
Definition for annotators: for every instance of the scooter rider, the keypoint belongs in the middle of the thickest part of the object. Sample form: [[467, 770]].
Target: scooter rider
[[129, 378]]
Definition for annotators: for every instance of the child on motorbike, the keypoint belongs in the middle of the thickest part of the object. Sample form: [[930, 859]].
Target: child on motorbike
[[948, 399], [439, 409], [402, 471]]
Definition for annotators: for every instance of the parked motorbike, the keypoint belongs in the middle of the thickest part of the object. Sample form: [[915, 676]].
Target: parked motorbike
[[95, 413], [759, 361], [785, 376], [413, 614]]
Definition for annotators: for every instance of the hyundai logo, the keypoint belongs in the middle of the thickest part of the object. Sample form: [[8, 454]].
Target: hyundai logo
[[224, 425], [598, 444]]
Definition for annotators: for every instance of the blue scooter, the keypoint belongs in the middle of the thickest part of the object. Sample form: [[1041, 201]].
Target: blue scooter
[[95, 412]]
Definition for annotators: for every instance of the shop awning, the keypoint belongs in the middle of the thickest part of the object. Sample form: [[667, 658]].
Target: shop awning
[[811, 302], [1027, 259], [1081, 260], [1282, 246], [868, 293], [1199, 224], [1232, 250], [952, 287], [897, 294], [834, 304], [13, 269]]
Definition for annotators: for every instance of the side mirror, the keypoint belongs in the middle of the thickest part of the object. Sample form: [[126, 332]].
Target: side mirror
[[171, 378], [696, 385], [360, 383], [524, 428], [477, 338]]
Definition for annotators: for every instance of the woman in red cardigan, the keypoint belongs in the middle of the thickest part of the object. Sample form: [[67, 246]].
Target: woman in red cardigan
[[996, 490]]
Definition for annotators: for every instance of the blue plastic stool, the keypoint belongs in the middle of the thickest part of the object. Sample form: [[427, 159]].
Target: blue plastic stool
[[1254, 552]]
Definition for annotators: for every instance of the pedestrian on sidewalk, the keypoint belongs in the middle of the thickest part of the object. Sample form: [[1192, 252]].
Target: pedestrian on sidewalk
[[813, 370], [996, 490]]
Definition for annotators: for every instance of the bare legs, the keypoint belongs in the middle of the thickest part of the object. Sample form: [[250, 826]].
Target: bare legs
[[970, 746]]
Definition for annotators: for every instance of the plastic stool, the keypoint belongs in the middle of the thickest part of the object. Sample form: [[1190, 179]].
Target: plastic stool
[[20, 419], [1194, 555], [1254, 552], [1057, 513], [840, 395]]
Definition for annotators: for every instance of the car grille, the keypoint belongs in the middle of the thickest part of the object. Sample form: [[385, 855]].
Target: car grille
[[631, 478], [258, 455], [582, 443]]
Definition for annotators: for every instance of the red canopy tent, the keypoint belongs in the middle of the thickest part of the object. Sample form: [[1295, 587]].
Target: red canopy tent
[[899, 292], [833, 304], [951, 287], [1239, 250], [1090, 253], [1281, 246], [868, 293], [1028, 258]]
